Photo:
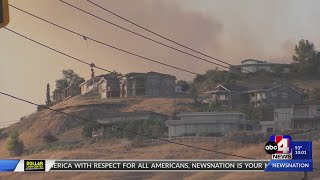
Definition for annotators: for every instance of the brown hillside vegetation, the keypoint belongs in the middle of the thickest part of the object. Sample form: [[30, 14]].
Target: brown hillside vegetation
[[70, 145], [65, 128]]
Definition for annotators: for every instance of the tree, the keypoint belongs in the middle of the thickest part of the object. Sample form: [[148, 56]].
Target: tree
[[115, 73], [14, 144], [48, 102], [305, 52], [306, 59], [184, 85], [49, 138], [86, 131], [315, 94], [69, 77], [41, 107]]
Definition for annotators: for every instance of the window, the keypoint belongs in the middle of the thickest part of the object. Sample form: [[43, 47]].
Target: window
[[259, 96], [274, 94], [264, 95], [283, 105], [284, 95], [222, 97]]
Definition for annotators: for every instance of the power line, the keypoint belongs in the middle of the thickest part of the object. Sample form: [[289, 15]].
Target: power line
[[103, 43], [55, 50], [157, 34], [69, 31], [74, 58], [76, 33], [64, 53], [97, 122], [145, 37], [120, 129]]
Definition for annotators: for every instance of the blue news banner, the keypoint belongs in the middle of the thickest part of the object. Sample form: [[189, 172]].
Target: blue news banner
[[301, 159]]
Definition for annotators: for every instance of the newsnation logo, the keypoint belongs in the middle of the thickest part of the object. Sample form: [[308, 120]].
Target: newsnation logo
[[279, 146]]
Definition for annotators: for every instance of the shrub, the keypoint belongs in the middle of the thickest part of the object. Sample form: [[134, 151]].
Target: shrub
[[15, 145], [49, 138], [86, 131], [41, 107], [137, 141]]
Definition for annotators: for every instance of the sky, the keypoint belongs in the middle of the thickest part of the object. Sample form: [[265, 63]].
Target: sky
[[226, 29]]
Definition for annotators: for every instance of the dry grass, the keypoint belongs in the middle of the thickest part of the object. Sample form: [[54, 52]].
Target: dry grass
[[32, 131]]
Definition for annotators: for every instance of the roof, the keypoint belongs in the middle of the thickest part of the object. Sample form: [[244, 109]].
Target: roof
[[169, 75], [261, 87], [260, 63], [268, 87], [257, 61], [135, 74], [98, 78], [206, 121], [215, 118], [209, 113], [229, 88]]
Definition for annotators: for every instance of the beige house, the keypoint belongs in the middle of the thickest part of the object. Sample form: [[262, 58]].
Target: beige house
[[90, 86], [109, 86], [209, 124]]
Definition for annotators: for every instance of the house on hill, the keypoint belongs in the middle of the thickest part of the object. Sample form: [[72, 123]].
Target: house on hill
[[281, 95], [133, 84], [90, 86], [277, 95], [109, 86], [252, 66], [61, 95], [299, 116], [151, 84], [106, 85], [231, 95], [306, 116], [209, 123]]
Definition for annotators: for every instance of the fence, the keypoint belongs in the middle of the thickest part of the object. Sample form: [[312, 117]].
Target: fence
[[183, 139]]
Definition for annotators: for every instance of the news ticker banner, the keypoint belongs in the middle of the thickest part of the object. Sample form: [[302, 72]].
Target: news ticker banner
[[11, 165]]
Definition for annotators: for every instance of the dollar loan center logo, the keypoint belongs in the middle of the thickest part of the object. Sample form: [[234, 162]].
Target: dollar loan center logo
[[279, 146]]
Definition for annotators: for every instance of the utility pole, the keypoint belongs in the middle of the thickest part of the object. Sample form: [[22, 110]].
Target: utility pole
[[92, 65], [4, 13], [305, 176], [92, 76]]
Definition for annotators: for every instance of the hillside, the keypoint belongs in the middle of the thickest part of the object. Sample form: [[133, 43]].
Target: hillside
[[70, 145], [212, 78], [34, 127]]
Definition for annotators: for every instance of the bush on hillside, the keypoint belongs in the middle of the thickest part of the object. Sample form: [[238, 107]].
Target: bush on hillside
[[86, 131], [49, 138], [15, 145]]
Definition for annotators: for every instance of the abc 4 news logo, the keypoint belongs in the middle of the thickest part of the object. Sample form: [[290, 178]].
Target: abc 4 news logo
[[279, 147]]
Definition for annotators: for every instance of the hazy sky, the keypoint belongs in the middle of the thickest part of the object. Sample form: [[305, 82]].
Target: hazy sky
[[232, 30]]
